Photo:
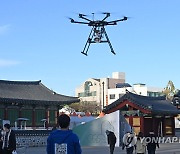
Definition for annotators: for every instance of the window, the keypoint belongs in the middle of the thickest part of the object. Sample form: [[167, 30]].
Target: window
[[40, 114], [94, 93], [27, 114], [112, 96], [13, 115], [52, 117], [1, 113], [120, 95], [87, 94]]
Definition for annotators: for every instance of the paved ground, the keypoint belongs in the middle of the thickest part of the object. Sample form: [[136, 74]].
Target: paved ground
[[164, 149]]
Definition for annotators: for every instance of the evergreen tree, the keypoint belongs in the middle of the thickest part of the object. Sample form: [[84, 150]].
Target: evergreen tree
[[170, 90]]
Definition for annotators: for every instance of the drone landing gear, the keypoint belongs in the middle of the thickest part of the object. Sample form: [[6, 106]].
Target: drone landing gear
[[94, 39], [88, 42]]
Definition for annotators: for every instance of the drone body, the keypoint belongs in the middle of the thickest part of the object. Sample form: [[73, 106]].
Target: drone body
[[98, 33]]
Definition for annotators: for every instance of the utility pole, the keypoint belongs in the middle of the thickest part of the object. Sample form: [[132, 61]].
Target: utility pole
[[103, 93]]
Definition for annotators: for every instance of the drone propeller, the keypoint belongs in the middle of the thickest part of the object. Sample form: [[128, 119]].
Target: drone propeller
[[82, 15], [125, 18], [107, 13], [71, 19]]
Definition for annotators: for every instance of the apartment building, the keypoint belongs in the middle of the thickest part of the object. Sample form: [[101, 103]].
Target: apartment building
[[95, 90]]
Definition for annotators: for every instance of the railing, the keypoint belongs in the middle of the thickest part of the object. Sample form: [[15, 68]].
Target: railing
[[31, 138]]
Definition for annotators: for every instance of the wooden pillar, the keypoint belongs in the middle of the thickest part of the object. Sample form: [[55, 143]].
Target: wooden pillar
[[57, 111], [47, 116], [19, 115], [6, 113], [20, 111], [33, 117], [154, 125], [131, 121], [164, 126], [173, 126], [142, 124], [56, 114]]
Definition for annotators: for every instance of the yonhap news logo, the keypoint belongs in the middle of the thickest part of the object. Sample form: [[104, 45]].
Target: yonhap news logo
[[159, 140]]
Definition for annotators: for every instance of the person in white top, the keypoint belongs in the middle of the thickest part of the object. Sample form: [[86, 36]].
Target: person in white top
[[129, 141], [140, 144]]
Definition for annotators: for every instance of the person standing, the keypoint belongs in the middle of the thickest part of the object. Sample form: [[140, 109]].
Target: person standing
[[152, 143], [63, 140], [129, 141], [9, 140], [111, 138], [140, 144]]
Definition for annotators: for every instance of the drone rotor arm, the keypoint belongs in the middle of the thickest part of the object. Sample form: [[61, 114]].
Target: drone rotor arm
[[107, 15], [79, 22], [112, 23], [115, 21], [82, 17]]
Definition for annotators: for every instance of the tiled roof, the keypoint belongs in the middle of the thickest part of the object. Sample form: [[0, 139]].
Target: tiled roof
[[157, 105], [30, 91]]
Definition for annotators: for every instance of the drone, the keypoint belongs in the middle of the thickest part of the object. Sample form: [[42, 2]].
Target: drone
[[98, 33]]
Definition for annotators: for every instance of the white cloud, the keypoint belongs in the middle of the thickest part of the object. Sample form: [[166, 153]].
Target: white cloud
[[4, 63], [4, 29]]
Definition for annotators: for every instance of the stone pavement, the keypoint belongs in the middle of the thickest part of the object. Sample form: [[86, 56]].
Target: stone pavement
[[164, 149]]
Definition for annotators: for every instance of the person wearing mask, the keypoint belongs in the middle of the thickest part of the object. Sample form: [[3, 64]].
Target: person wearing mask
[[63, 140], [111, 138], [9, 140]]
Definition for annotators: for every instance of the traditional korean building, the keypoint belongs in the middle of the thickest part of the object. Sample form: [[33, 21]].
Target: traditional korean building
[[30, 100], [145, 113]]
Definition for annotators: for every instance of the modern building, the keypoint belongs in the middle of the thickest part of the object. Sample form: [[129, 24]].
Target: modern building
[[146, 113], [30, 101], [139, 89], [104, 91], [96, 90], [154, 91]]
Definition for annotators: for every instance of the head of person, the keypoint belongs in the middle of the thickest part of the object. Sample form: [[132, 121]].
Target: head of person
[[107, 132], [128, 133], [64, 121], [151, 132], [140, 134], [7, 127]]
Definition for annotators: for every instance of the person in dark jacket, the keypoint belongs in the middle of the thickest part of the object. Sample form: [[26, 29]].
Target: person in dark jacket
[[9, 140], [63, 140], [152, 143], [111, 138]]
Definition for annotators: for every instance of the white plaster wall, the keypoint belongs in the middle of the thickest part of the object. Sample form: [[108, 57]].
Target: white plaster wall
[[117, 91]]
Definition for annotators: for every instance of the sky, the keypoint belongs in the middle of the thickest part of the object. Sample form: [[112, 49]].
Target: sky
[[38, 42]]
